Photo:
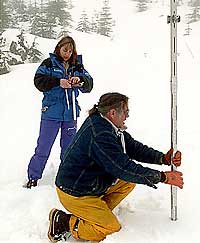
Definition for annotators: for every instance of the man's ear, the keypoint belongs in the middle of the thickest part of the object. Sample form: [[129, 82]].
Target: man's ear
[[111, 114]]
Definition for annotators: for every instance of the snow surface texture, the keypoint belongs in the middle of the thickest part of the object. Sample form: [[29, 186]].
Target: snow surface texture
[[137, 63]]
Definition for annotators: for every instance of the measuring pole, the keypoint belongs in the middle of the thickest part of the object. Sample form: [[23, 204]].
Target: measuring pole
[[173, 19]]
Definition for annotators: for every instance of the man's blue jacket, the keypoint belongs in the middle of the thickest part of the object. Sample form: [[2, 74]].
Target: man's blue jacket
[[95, 159]]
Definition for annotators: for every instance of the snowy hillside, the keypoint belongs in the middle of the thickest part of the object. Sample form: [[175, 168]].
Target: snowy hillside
[[137, 63]]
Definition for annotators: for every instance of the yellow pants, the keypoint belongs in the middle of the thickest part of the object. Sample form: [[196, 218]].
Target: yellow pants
[[96, 219]]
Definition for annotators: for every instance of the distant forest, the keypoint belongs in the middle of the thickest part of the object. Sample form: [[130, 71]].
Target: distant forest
[[52, 18]]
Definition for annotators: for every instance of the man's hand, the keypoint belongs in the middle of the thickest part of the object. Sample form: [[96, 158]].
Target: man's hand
[[176, 160], [174, 178]]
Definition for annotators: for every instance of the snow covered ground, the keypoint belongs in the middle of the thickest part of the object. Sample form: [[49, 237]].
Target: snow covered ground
[[137, 63]]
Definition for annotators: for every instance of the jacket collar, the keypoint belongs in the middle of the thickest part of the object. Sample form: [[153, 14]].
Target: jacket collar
[[115, 128]]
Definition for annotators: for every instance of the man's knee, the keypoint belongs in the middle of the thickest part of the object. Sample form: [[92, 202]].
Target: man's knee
[[109, 229], [113, 226]]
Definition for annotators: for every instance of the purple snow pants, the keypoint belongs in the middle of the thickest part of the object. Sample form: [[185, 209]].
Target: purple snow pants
[[48, 133]]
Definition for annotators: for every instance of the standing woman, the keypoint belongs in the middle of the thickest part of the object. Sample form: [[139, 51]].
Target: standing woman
[[60, 77]]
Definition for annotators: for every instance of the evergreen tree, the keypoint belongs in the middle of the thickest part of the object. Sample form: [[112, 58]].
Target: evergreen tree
[[19, 10], [194, 16], [5, 16], [84, 25], [46, 17], [37, 18], [65, 18], [69, 4], [194, 3], [180, 2], [19, 48], [50, 14], [94, 22], [63, 32], [58, 16], [38, 25], [187, 29], [4, 66], [21, 51], [142, 5], [34, 55], [63, 13], [34, 19], [105, 21]]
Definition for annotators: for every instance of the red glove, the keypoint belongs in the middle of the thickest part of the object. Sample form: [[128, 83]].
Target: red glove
[[176, 160], [174, 178]]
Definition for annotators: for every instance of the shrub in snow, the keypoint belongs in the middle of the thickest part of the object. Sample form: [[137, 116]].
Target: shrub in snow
[[4, 66], [15, 49]]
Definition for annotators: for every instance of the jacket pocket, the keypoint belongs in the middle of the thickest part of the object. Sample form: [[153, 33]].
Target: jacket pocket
[[46, 105]]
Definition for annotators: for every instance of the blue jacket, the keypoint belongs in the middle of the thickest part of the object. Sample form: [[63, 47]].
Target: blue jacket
[[95, 159], [55, 105]]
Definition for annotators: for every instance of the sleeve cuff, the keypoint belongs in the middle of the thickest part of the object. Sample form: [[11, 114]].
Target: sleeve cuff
[[163, 177]]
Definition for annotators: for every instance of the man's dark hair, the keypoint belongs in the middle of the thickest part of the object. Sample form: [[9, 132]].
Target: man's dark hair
[[109, 101]]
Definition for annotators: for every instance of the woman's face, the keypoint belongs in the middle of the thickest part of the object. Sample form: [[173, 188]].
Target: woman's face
[[66, 52]]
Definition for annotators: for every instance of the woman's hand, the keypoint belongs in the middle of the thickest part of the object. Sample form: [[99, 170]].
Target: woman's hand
[[75, 81], [65, 83]]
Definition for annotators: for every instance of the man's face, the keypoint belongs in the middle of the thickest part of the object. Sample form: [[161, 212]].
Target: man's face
[[118, 117]]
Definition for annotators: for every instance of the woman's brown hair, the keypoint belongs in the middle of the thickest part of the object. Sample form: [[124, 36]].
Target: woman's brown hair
[[67, 40], [109, 101]]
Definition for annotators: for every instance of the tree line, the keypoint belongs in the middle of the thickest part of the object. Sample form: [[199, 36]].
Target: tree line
[[51, 18], [191, 17]]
